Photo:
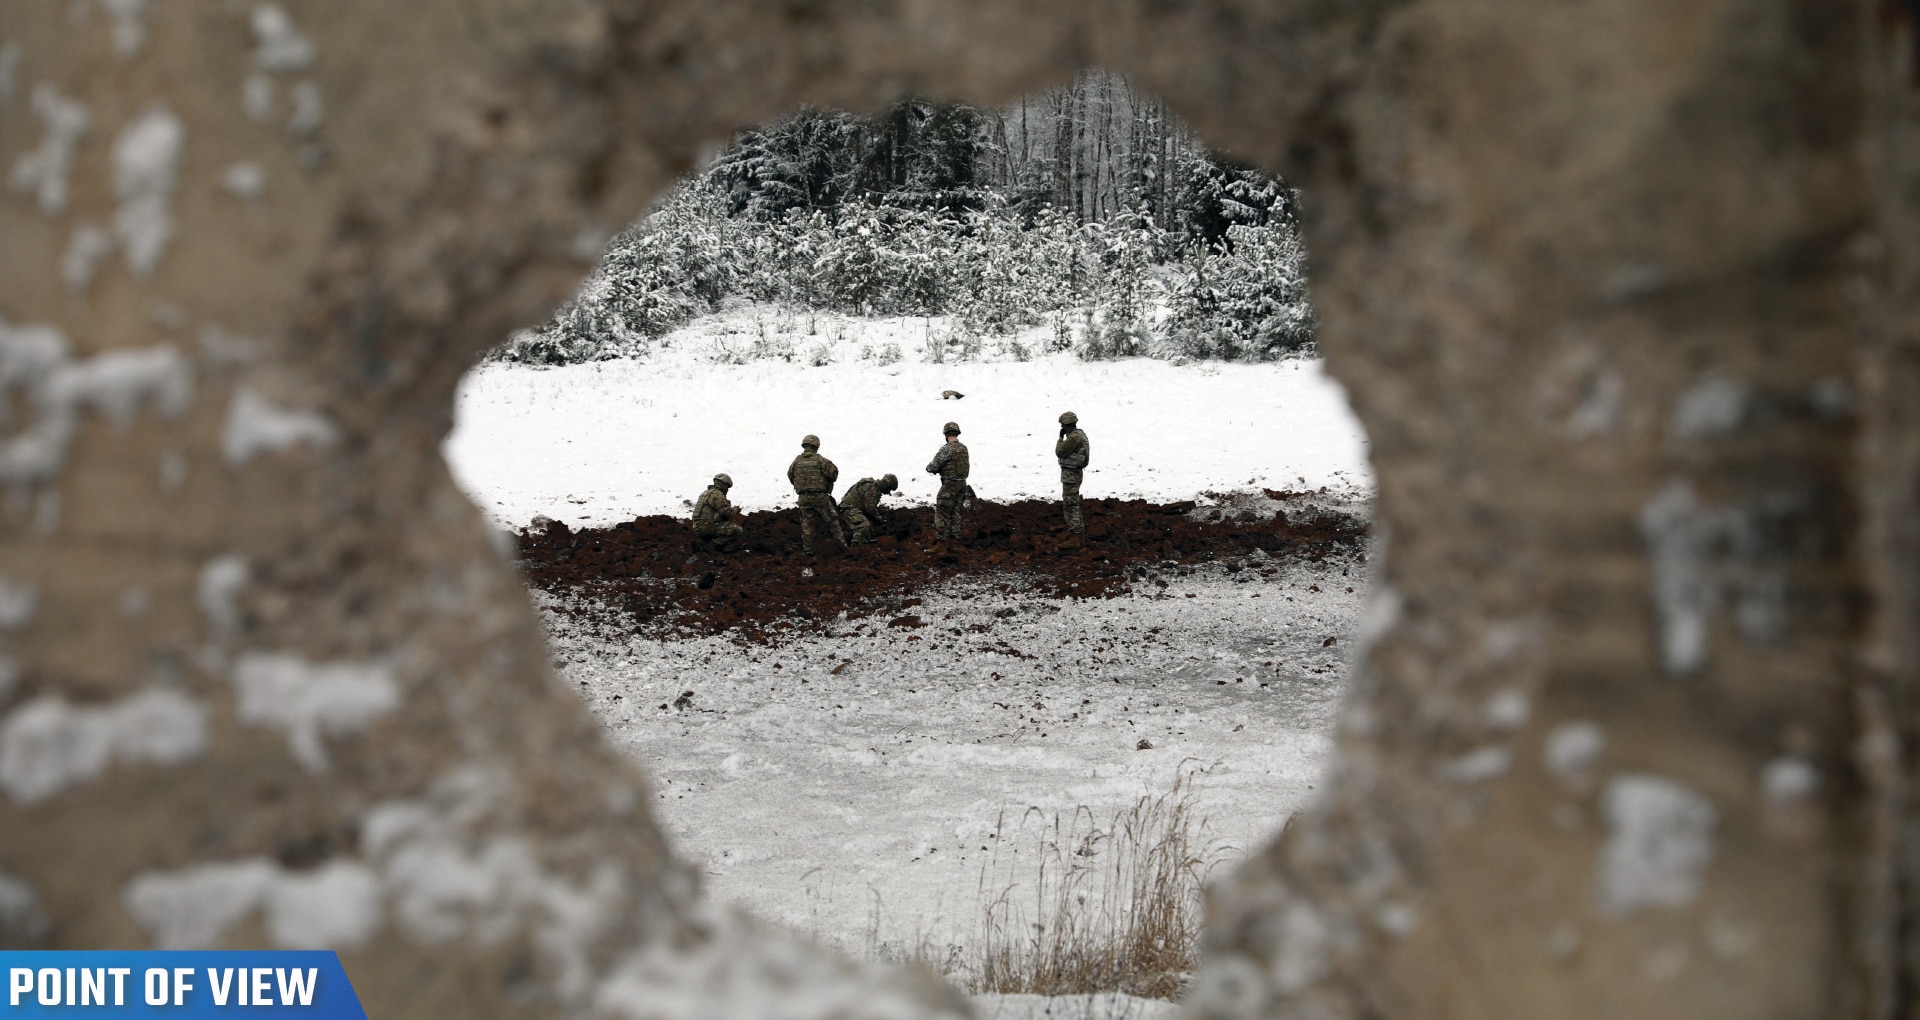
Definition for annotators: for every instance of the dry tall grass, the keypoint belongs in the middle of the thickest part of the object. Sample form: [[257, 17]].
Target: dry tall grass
[[1093, 908]]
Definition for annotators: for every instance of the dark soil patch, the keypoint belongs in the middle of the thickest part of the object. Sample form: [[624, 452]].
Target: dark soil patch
[[650, 570]]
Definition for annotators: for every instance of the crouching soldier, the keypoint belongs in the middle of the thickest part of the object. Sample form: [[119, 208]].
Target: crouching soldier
[[952, 467], [1072, 452], [860, 507], [713, 523], [813, 476]]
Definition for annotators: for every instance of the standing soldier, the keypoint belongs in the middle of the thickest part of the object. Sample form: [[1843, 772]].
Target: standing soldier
[[860, 506], [1071, 451], [951, 465], [813, 476], [713, 521]]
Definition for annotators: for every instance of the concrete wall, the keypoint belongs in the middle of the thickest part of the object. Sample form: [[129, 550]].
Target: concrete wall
[[1627, 294]]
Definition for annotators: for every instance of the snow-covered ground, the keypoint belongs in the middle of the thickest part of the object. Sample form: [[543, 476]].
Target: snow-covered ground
[[599, 443], [848, 783]]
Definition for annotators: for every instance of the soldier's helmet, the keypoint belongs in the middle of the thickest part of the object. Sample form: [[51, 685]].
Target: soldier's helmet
[[810, 442], [950, 429], [1069, 418], [723, 480], [889, 483]]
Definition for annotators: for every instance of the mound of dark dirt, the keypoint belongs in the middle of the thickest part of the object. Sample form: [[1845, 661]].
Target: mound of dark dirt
[[650, 569]]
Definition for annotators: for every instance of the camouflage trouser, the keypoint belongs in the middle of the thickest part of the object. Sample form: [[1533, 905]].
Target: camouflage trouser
[[859, 525], [1070, 500], [946, 509], [817, 508], [724, 536]]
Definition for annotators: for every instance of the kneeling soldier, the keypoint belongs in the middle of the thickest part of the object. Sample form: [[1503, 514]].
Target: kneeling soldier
[[860, 506], [713, 521]]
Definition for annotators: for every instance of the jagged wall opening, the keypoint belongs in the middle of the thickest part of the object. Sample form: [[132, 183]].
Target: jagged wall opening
[[1621, 294]]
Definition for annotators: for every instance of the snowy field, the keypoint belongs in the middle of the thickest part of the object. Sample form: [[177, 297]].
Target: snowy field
[[849, 784], [599, 443], [925, 730]]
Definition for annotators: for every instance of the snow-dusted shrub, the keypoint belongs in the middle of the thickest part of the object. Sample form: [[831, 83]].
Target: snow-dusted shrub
[[1061, 339], [879, 261], [1126, 249], [1102, 287], [1248, 302], [541, 347], [724, 350], [770, 348], [820, 356], [889, 354]]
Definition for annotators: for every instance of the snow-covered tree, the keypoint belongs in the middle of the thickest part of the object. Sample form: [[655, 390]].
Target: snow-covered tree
[[1089, 209]]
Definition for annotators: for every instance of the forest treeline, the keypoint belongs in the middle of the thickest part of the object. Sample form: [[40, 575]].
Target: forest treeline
[[1089, 209]]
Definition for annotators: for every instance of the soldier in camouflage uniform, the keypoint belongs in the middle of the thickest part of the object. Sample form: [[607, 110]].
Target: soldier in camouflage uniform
[[813, 476], [951, 465], [860, 506], [1071, 451], [713, 521]]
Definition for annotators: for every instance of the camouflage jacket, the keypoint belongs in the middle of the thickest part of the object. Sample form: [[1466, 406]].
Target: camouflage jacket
[[1072, 450], [863, 495], [811, 472], [712, 507], [950, 463]]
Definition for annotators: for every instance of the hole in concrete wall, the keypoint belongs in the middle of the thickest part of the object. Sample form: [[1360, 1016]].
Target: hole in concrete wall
[[872, 746]]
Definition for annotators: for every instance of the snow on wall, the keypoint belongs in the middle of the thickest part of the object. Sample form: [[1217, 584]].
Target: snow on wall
[[146, 167], [218, 590], [309, 112], [311, 700], [23, 918], [129, 23], [1700, 556], [1659, 842], [254, 427], [117, 383], [10, 55], [257, 98], [34, 358], [17, 603], [48, 746], [447, 879], [194, 907], [422, 862], [245, 180], [1680, 536], [1478, 766], [333, 906], [44, 172], [1789, 780], [279, 44], [1573, 751], [88, 246], [1713, 407]]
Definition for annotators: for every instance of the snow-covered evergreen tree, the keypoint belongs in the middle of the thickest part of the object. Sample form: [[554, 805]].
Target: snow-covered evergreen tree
[[1089, 210]]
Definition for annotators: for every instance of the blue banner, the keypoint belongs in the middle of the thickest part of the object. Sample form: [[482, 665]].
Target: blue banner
[[178, 985]]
